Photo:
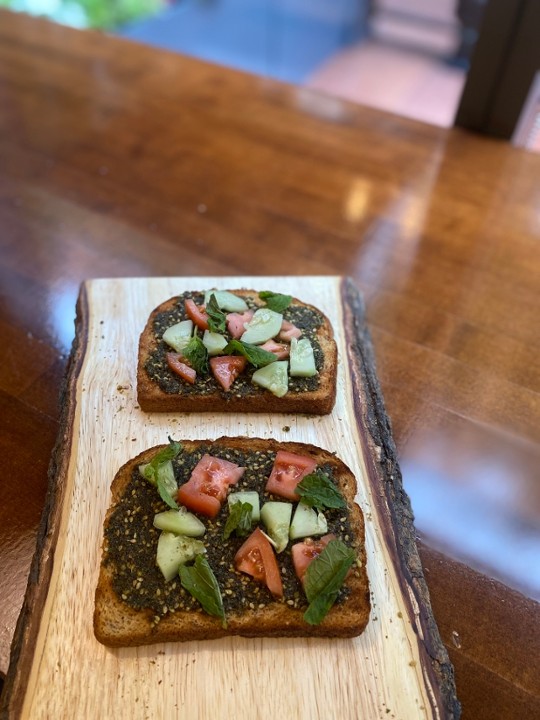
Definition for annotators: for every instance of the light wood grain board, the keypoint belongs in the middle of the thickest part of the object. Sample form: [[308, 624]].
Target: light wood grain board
[[396, 669]]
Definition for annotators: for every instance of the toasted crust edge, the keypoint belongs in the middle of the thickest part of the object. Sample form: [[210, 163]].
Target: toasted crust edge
[[318, 402], [117, 624]]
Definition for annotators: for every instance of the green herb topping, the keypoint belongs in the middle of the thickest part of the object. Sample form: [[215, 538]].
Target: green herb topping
[[317, 490], [197, 355], [324, 577], [239, 520], [199, 580], [217, 320], [276, 301], [254, 354], [159, 471]]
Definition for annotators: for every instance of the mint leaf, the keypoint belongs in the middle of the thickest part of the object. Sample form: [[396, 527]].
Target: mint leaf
[[276, 301], [166, 484], [149, 470], [324, 577], [239, 520], [318, 490], [197, 355], [217, 321], [199, 580], [253, 353]]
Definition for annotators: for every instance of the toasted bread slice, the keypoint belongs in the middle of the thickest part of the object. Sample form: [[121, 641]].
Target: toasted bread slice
[[134, 605], [159, 389]]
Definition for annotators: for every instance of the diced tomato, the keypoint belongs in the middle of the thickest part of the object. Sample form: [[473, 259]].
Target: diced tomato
[[287, 472], [236, 322], [226, 368], [281, 351], [288, 331], [304, 553], [256, 558], [207, 486], [174, 361], [198, 315]]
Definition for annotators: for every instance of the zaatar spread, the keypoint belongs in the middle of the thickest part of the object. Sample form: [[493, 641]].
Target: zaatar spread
[[307, 319], [131, 542]]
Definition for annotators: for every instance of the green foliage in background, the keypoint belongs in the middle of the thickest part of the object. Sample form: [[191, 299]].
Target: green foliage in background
[[104, 14]]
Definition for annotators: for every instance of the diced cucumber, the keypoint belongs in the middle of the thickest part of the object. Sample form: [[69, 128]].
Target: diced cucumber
[[180, 522], [247, 496], [214, 342], [302, 359], [273, 377], [175, 550], [226, 300], [307, 522], [178, 336], [264, 325], [276, 517]]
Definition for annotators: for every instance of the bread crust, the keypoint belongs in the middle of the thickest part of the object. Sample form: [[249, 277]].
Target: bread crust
[[152, 398], [116, 623]]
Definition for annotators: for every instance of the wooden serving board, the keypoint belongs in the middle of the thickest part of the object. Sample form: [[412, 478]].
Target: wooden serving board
[[398, 668]]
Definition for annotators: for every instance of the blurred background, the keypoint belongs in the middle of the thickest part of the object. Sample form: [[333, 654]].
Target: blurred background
[[406, 56], [472, 63]]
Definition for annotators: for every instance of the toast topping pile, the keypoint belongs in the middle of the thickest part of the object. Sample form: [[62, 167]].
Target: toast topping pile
[[236, 344], [261, 527]]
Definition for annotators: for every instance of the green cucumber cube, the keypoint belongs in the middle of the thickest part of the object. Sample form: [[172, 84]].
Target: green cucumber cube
[[273, 377], [247, 496], [175, 550], [178, 336], [264, 325], [302, 359], [180, 522], [214, 342], [227, 301], [306, 522], [276, 517]]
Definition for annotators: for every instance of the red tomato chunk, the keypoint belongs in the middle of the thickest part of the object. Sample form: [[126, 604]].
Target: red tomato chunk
[[226, 368], [305, 552], [187, 373], [287, 472], [256, 558], [198, 315], [208, 485]]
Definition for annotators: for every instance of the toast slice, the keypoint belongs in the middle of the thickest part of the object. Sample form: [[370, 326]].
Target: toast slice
[[134, 605], [160, 389]]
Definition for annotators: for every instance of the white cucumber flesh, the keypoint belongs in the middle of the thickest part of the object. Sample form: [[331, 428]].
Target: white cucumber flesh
[[175, 550], [227, 300], [264, 325], [307, 522], [180, 522], [214, 342], [276, 517], [273, 377], [247, 496], [177, 336], [302, 359]]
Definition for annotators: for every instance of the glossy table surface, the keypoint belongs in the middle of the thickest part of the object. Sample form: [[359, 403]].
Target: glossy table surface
[[121, 160]]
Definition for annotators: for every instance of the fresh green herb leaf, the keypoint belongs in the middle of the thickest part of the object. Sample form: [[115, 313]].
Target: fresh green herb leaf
[[149, 470], [318, 490], [166, 484], [239, 520], [276, 301], [197, 355], [199, 580], [324, 577], [217, 321], [254, 354]]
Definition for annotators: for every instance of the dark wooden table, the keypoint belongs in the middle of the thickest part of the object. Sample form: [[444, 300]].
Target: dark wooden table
[[120, 160]]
